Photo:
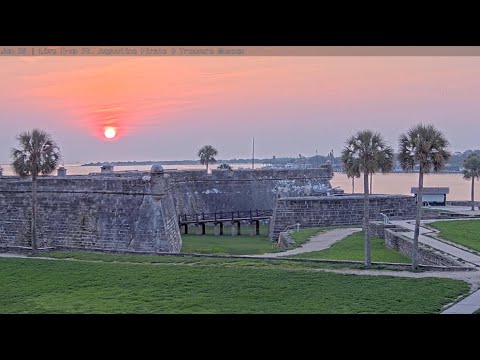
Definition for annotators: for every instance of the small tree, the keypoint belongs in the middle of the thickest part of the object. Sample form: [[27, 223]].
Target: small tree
[[471, 172], [206, 155], [366, 152], [225, 166], [37, 154], [425, 146]]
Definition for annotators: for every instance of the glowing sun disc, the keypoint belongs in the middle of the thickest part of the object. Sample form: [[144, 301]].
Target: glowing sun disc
[[110, 133]]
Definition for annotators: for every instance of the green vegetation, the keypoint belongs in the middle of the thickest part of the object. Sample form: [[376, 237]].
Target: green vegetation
[[199, 286], [226, 244], [302, 236], [243, 244], [351, 248], [463, 232]]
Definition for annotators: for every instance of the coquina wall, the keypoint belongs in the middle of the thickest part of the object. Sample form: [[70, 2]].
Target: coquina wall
[[337, 210], [105, 212], [243, 190]]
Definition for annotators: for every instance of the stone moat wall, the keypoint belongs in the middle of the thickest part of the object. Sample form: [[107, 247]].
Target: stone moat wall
[[425, 256], [127, 213], [341, 210]]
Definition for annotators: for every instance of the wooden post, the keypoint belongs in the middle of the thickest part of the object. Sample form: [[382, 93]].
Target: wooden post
[[257, 227]]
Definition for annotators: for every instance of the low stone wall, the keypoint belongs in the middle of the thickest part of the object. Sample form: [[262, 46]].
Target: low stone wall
[[463, 203], [377, 228], [321, 211], [426, 256]]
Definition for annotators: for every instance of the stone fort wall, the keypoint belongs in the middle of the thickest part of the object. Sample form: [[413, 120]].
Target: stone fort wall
[[105, 212], [341, 210], [243, 190]]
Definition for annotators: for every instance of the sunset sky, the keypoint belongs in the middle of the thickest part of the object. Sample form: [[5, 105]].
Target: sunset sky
[[166, 108]]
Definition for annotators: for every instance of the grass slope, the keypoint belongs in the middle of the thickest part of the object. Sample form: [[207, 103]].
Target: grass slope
[[352, 248], [463, 232], [49, 286]]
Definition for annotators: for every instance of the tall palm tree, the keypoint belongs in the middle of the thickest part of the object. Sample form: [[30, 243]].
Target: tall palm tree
[[37, 154], [206, 155], [427, 147], [366, 152], [472, 171]]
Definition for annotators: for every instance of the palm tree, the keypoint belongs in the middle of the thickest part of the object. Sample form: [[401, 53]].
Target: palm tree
[[37, 154], [353, 173], [425, 146], [225, 166], [366, 152], [206, 155], [472, 171]]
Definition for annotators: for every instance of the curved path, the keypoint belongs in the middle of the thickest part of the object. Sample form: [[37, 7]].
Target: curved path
[[318, 242], [455, 251]]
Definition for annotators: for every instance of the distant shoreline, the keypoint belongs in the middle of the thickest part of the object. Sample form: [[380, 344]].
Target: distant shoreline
[[171, 162]]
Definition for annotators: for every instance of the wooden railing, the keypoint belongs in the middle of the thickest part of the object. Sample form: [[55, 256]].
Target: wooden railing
[[224, 216]]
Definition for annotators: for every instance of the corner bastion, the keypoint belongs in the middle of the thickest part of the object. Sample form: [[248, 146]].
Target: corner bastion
[[105, 211]]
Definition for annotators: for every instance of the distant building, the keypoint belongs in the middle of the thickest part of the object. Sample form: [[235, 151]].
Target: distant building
[[433, 195]]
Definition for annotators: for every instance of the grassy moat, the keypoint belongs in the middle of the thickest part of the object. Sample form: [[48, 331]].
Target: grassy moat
[[85, 282], [113, 284]]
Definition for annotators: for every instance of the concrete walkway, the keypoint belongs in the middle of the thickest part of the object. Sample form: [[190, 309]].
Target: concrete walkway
[[437, 244], [318, 242], [467, 306], [471, 303]]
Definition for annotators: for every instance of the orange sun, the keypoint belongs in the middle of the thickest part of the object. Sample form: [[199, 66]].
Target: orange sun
[[110, 132]]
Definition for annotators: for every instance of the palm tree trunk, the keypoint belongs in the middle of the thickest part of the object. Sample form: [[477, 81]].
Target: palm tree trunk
[[34, 214], [473, 193], [366, 213], [353, 185], [207, 166], [371, 182], [417, 222]]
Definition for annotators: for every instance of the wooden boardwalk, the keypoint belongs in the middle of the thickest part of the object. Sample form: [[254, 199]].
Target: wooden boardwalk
[[221, 217]]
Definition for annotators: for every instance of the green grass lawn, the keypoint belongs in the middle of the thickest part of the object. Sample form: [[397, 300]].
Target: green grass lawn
[[240, 245], [302, 236], [227, 244], [200, 286], [352, 248], [463, 232]]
